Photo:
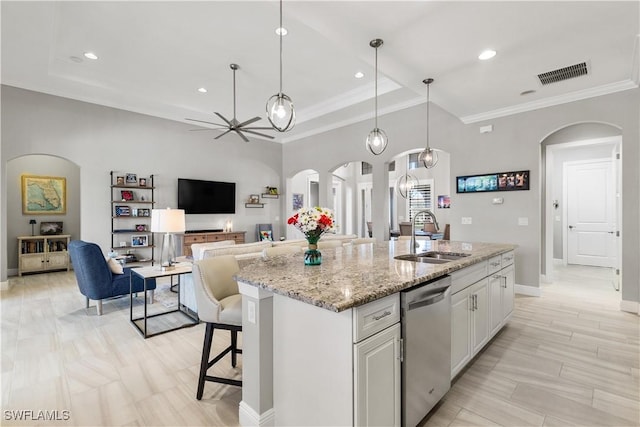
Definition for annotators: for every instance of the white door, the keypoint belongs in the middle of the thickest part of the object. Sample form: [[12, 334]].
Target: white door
[[590, 208], [364, 207]]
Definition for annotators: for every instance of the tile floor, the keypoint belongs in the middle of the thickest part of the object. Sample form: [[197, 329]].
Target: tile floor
[[569, 358]]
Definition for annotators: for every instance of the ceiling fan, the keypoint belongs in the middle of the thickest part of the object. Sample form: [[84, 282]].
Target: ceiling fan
[[234, 125]]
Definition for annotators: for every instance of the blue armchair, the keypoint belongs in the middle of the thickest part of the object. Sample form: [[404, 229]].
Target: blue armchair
[[95, 279]]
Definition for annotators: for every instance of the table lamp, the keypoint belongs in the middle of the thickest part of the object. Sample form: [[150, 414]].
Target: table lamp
[[32, 222], [168, 221]]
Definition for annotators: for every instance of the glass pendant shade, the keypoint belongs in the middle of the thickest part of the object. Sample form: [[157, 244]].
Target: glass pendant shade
[[281, 113], [405, 184], [428, 157], [377, 141]]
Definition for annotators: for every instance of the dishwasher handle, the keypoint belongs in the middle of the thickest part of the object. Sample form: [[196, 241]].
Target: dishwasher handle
[[431, 299]]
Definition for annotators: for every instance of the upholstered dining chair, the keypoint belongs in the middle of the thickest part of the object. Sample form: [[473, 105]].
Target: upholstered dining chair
[[405, 228], [99, 278], [219, 305], [281, 250]]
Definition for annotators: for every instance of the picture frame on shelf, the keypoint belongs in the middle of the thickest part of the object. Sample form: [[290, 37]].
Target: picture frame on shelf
[[119, 180], [142, 182], [254, 198], [144, 212], [121, 210], [127, 195], [139, 240], [131, 179], [51, 228], [141, 227]]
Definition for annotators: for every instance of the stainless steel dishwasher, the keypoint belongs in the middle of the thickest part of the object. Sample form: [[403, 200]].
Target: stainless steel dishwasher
[[426, 335]]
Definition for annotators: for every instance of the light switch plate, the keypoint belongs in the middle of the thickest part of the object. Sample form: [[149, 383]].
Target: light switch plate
[[467, 220], [523, 221], [497, 200]]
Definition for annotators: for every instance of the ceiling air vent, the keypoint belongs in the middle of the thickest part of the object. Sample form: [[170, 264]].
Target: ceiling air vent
[[565, 73]]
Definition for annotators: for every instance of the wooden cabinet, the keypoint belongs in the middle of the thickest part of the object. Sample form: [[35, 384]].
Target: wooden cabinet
[[38, 254], [132, 199], [377, 385], [469, 324], [207, 237]]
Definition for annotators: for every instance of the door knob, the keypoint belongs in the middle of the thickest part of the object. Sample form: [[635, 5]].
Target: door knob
[[571, 227]]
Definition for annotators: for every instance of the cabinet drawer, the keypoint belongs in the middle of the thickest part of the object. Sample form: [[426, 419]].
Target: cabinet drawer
[[216, 237], [468, 276], [494, 264], [375, 316], [200, 238], [507, 258]]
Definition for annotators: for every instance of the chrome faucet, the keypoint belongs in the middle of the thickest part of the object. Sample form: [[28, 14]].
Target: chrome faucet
[[412, 242]]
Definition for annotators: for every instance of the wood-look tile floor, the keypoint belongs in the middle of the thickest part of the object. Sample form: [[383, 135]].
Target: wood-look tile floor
[[569, 358]]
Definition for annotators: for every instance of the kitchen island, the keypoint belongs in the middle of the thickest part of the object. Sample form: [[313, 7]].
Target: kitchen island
[[321, 344]]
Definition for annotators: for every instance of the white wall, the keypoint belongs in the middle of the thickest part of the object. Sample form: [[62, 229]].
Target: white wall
[[514, 144], [100, 139]]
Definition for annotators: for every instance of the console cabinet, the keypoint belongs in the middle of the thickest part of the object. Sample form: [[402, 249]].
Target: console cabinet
[[37, 254], [189, 239]]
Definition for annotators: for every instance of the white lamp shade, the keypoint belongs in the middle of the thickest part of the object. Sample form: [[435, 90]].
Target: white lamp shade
[[167, 221]]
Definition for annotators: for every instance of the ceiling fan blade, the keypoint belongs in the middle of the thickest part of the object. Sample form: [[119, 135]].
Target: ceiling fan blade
[[257, 133], [222, 134], [199, 130], [258, 128], [202, 121], [225, 120], [242, 136], [248, 122]]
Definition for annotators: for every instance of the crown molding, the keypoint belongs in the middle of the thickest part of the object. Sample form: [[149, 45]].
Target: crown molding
[[552, 101]]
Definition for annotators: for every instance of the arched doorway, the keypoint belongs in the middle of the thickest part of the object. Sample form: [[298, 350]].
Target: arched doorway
[[17, 222], [565, 153]]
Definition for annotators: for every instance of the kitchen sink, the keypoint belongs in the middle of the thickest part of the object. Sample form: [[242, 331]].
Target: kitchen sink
[[432, 257]]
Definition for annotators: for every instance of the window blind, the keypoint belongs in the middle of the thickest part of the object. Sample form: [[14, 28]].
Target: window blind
[[420, 198]]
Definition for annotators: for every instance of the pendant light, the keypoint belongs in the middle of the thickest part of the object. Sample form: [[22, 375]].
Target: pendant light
[[406, 183], [428, 157], [280, 111], [377, 139]]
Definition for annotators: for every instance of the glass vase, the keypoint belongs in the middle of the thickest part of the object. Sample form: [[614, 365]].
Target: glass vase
[[312, 256]]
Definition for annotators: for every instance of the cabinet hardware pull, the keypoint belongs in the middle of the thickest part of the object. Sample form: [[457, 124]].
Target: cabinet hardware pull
[[385, 314], [401, 356], [505, 282]]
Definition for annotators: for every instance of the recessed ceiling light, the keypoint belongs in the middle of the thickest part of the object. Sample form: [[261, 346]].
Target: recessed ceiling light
[[359, 75], [90, 55], [281, 31], [487, 54], [202, 90]]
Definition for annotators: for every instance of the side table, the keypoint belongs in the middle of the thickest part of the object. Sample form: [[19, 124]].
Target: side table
[[155, 272]]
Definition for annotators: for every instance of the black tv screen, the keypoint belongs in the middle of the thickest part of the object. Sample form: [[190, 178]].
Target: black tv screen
[[206, 197]]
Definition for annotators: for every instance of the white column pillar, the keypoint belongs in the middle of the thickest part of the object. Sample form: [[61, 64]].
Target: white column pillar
[[256, 407]]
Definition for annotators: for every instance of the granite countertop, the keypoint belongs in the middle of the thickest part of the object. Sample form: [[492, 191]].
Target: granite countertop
[[354, 275]]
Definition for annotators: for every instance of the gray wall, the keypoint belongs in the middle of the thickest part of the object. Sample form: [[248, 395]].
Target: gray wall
[[514, 144], [99, 139]]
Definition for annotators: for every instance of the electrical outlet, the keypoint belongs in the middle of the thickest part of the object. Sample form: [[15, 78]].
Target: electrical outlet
[[523, 221], [466, 220], [251, 312]]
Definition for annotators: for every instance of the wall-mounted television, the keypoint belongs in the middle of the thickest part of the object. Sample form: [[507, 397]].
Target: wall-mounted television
[[197, 196]]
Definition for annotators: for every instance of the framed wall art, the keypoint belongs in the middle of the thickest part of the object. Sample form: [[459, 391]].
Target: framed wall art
[[298, 201], [44, 195], [497, 181]]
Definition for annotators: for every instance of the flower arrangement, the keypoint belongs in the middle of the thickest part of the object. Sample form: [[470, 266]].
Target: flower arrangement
[[313, 222]]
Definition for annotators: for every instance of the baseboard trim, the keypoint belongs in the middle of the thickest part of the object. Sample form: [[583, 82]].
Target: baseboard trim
[[630, 306], [250, 418], [528, 290]]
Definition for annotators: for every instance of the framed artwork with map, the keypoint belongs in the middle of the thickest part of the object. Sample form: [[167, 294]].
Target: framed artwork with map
[[44, 195]]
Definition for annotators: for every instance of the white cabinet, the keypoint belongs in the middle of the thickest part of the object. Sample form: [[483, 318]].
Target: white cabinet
[[43, 253], [481, 309], [377, 379], [469, 323]]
